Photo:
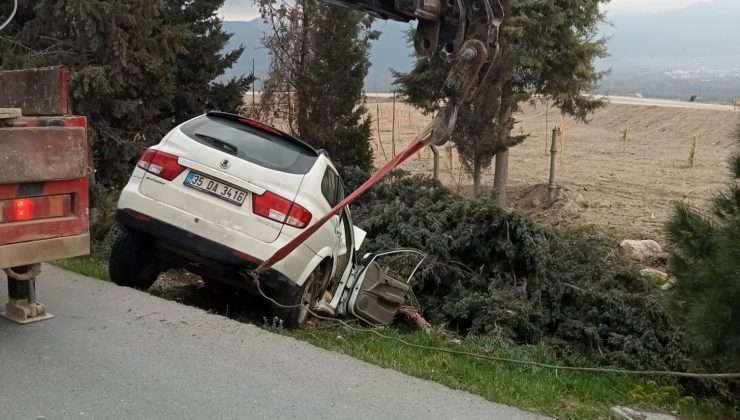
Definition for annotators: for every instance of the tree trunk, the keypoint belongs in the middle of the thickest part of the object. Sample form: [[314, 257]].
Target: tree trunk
[[500, 178], [477, 169]]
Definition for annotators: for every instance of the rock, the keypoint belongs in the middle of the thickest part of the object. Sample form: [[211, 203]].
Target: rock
[[626, 413], [641, 250], [653, 275], [668, 284]]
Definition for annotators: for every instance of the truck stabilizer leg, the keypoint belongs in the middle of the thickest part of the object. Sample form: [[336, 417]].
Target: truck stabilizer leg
[[22, 306]]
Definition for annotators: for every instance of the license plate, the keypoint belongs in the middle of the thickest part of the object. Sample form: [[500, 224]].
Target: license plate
[[216, 188]]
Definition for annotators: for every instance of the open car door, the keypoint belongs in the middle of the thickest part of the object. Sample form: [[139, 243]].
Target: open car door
[[377, 296]]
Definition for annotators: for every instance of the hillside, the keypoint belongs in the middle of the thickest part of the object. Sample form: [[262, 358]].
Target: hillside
[[708, 28], [675, 54], [390, 51]]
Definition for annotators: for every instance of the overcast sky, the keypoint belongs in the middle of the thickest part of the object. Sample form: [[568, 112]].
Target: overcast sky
[[245, 9], [646, 6]]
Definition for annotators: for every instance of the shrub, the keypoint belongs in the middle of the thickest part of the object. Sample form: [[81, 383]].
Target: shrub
[[497, 273]]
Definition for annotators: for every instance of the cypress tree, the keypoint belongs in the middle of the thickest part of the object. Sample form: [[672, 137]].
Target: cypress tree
[[140, 66], [331, 114], [547, 49], [203, 61]]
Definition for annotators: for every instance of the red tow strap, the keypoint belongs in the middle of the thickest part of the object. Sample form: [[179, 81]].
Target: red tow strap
[[283, 252]]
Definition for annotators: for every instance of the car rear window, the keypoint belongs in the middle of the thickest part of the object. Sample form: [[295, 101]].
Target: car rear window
[[252, 144]]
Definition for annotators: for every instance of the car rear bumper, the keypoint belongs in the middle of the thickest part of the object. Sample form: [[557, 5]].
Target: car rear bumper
[[204, 238], [205, 257]]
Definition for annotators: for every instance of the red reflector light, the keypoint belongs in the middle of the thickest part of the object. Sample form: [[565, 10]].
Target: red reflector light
[[246, 257], [277, 208], [162, 164], [33, 208], [137, 215], [23, 209]]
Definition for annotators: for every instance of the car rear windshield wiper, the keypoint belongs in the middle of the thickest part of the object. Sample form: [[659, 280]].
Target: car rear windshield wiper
[[224, 145]]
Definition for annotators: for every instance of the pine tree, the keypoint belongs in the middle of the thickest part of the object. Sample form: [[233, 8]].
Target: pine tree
[[140, 66], [331, 112], [124, 63], [706, 265], [203, 61], [547, 49]]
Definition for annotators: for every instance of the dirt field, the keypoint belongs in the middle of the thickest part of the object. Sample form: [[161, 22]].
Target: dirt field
[[627, 190]]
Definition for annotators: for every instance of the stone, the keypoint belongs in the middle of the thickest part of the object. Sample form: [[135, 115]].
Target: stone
[[641, 250], [653, 275], [668, 284], [626, 413]]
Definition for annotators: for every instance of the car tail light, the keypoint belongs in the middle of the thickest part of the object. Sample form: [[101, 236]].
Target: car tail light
[[162, 164], [261, 126], [21, 209], [277, 208]]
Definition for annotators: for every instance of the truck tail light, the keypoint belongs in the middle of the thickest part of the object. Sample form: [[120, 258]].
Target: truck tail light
[[161, 164], [277, 208], [20, 209]]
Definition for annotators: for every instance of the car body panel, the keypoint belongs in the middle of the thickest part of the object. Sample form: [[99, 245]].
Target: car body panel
[[292, 268], [209, 227], [224, 213]]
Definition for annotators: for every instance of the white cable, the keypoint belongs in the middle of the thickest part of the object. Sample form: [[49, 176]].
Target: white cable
[[15, 8]]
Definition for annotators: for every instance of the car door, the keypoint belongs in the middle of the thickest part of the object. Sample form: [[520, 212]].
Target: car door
[[376, 295], [345, 245], [333, 193]]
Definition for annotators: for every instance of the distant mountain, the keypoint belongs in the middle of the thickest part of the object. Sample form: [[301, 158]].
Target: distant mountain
[[248, 35], [708, 28], [675, 54], [390, 51]]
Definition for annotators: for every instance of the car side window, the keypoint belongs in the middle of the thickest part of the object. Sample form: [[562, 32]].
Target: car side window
[[340, 191], [329, 186]]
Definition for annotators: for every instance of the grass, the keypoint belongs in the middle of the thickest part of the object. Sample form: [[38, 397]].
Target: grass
[[567, 395], [86, 265], [564, 395]]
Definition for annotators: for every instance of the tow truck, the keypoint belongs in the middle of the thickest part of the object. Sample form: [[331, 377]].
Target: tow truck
[[43, 183]]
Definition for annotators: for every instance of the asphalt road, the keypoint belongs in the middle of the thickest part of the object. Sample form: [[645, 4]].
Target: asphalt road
[[627, 100], [630, 100], [115, 353]]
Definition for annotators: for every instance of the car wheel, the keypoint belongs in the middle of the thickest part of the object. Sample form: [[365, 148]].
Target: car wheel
[[132, 262], [296, 314]]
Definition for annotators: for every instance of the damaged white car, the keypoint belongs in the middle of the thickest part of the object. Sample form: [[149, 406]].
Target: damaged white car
[[221, 193]]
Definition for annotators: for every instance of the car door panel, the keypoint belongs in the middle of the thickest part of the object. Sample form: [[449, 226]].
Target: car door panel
[[377, 296]]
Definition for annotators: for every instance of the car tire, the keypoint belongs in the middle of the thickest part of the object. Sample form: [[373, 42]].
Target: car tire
[[132, 262], [293, 313]]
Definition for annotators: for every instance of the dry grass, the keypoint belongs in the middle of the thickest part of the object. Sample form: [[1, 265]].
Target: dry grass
[[622, 171]]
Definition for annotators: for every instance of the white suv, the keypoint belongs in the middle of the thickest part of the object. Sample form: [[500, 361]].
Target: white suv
[[221, 193]]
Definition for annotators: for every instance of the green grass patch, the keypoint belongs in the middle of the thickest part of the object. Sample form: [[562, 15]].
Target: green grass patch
[[571, 395], [86, 265]]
